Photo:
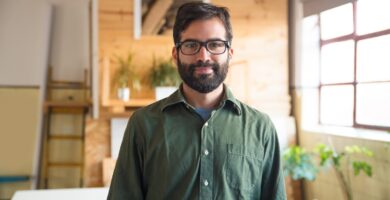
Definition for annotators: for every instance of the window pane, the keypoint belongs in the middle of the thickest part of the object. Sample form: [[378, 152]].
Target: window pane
[[372, 15], [373, 104], [309, 72], [373, 59], [337, 105], [337, 22], [337, 62]]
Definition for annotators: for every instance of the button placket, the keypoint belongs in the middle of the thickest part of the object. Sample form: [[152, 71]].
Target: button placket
[[206, 165]]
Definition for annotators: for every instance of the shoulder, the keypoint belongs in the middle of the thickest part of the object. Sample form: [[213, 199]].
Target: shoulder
[[144, 120], [157, 108], [254, 114], [149, 112], [259, 120], [266, 128]]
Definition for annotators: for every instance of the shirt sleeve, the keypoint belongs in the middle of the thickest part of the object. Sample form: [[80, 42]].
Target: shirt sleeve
[[272, 186], [126, 182]]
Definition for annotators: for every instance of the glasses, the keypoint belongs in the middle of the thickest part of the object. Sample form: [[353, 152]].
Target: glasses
[[192, 47]]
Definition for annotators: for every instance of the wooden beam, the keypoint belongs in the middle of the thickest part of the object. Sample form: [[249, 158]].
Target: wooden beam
[[154, 17], [115, 12]]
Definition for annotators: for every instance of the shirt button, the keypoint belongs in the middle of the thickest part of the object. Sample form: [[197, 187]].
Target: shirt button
[[206, 124], [206, 183], [206, 152]]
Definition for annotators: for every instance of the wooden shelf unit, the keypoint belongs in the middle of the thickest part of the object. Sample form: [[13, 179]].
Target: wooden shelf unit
[[116, 105]]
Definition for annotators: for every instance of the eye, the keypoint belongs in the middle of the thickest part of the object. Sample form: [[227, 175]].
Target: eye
[[190, 45], [215, 44]]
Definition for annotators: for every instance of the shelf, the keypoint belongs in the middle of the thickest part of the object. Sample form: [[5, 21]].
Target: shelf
[[65, 164], [113, 114], [67, 104], [132, 103], [65, 137], [118, 108]]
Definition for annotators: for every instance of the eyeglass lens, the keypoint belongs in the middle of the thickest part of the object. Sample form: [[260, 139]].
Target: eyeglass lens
[[193, 47]]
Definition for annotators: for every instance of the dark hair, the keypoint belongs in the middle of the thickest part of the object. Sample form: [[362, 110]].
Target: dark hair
[[192, 11]]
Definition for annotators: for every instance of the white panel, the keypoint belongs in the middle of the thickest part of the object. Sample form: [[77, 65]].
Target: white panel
[[137, 19], [62, 194], [286, 130], [118, 127], [95, 58], [70, 40], [24, 42]]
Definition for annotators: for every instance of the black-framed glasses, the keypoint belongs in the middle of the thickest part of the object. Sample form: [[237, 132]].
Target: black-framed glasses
[[192, 47]]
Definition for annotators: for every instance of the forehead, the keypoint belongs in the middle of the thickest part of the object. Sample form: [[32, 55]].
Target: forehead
[[204, 30]]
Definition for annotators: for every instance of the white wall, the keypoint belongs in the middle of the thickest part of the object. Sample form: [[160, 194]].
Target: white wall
[[69, 54], [32, 35], [24, 42]]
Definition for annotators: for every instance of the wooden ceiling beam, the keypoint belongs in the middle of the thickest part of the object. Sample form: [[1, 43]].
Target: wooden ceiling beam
[[154, 18]]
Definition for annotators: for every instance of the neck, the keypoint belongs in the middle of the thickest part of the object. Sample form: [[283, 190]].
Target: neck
[[203, 100]]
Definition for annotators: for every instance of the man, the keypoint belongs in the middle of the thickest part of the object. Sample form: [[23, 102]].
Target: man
[[200, 142]]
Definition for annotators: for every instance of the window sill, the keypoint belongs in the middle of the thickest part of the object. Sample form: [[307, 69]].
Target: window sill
[[357, 133]]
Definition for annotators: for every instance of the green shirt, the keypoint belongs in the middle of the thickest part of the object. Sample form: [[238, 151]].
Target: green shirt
[[170, 152]]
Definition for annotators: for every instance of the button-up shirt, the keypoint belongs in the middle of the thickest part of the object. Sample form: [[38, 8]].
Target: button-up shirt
[[170, 152]]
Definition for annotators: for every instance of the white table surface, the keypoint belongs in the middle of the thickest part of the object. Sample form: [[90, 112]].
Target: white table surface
[[63, 194]]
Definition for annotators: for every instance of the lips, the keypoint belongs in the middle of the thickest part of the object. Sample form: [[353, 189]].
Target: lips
[[204, 70]]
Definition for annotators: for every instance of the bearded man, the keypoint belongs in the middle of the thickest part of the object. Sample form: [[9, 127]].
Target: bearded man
[[200, 142]]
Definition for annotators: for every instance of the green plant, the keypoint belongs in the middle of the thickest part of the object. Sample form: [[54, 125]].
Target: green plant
[[331, 158], [298, 164], [164, 73], [125, 75]]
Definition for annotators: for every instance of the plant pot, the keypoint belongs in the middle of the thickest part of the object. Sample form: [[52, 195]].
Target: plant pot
[[124, 94], [164, 91]]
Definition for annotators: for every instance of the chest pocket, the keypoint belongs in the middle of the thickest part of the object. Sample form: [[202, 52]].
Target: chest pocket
[[243, 167]]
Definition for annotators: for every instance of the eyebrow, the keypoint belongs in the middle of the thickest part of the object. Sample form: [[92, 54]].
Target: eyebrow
[[191, 39]]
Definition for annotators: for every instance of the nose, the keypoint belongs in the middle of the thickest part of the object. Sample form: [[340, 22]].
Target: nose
[[203, 54]]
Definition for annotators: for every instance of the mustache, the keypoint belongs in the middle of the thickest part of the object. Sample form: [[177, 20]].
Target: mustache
[[203, 64]]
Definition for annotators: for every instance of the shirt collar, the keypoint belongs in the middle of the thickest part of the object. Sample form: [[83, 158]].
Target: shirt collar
[[178, 97]]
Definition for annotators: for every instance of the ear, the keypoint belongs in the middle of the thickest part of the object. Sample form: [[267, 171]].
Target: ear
[[174, 54], [230, 53]]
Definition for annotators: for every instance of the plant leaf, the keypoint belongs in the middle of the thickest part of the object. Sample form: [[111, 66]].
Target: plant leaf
[[359, 166], [298, 164]]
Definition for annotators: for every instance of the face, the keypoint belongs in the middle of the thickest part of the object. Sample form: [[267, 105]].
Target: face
[[203, 72]]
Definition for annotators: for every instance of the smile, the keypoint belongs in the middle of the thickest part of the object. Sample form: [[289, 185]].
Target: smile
[[203, 70]]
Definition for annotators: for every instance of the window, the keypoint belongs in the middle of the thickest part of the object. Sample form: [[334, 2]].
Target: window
[[350, 47]]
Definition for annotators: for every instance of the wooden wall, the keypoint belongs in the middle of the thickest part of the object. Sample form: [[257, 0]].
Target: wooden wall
[[258, 72], [327, 186], [260, 43], [97, 147]]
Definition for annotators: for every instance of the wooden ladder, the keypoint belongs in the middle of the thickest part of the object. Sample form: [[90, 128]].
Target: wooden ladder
[[61, 142]]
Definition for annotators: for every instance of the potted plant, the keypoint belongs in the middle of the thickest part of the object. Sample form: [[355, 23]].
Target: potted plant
[[164, 78], [330, 158], [125, 77], [298, 163]]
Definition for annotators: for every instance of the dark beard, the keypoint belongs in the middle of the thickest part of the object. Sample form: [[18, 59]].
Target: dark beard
[[204, 83]]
